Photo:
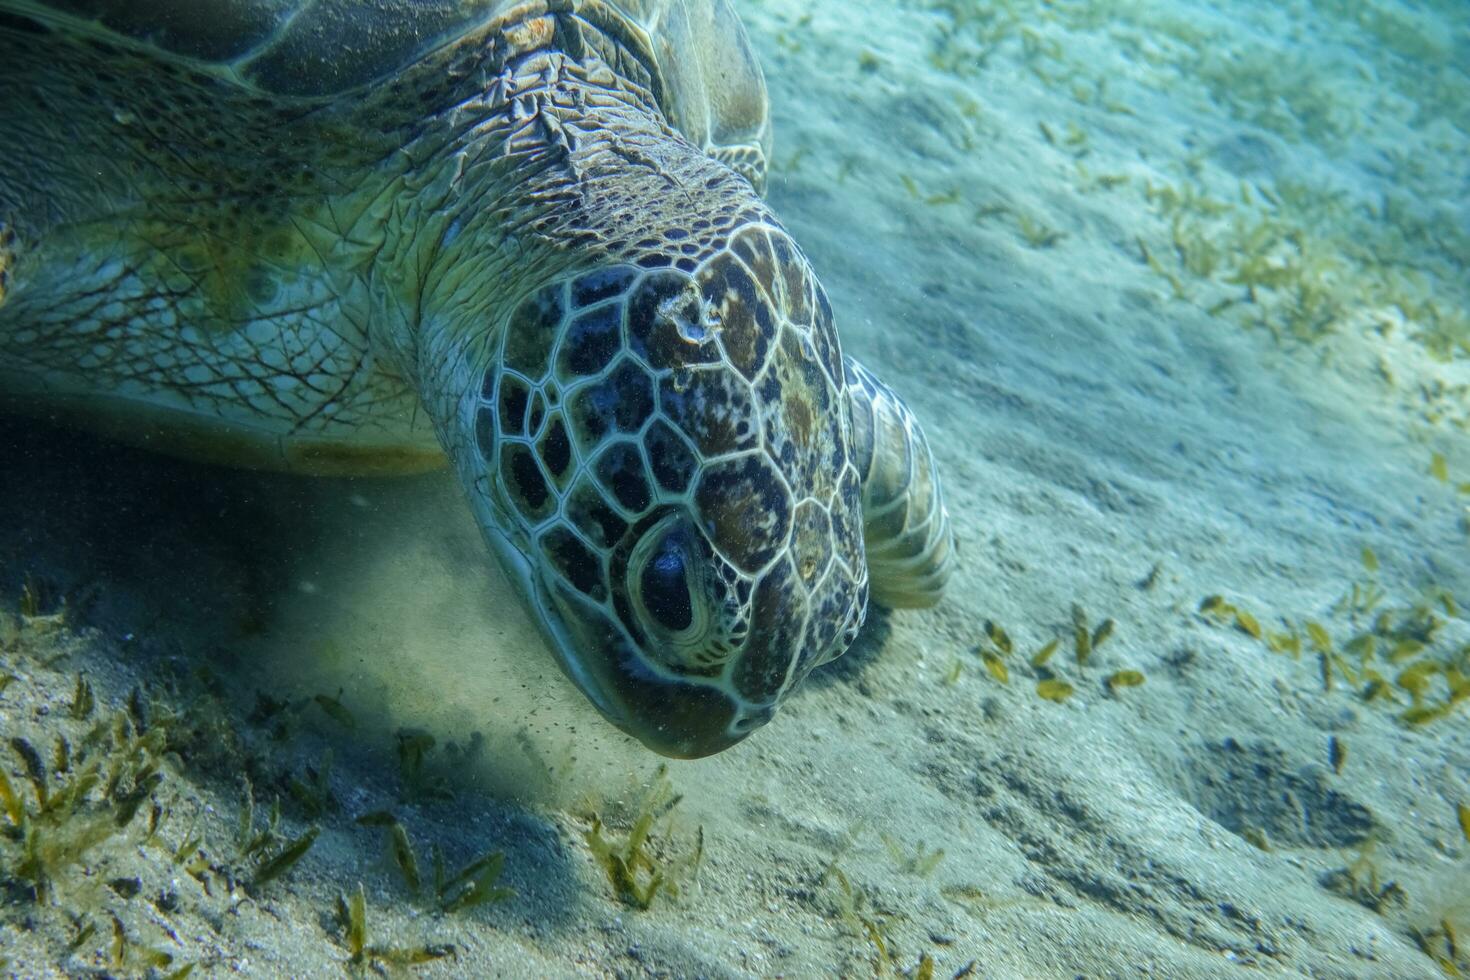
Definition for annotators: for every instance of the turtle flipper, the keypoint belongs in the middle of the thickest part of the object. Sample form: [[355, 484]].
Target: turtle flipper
[[906, 530]]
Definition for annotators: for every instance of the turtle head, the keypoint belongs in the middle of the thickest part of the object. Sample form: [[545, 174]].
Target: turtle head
[[663, 450]]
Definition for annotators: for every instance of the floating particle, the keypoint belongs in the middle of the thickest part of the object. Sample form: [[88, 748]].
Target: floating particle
[[336, 710], [1054, 690], [1152, 578], [1423, 714], [952, 676], [1082, 643], [1362, 646], [996, 667], [1124, 678]]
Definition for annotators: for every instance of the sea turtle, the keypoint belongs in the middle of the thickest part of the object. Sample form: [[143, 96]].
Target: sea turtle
[[361, 236]]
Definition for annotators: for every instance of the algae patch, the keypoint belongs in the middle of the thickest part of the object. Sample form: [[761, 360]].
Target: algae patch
[[639, 863]]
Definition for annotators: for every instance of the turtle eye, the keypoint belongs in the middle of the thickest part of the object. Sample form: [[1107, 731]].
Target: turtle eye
[[664, 583]]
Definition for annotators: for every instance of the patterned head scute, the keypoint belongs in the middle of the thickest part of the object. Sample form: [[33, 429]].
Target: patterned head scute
[[670, 448]]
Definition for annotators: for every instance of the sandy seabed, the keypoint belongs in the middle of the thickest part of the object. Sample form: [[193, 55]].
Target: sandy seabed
[[1012, 208]]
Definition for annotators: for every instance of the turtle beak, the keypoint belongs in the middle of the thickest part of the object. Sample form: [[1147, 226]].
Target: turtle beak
[[675, 718]]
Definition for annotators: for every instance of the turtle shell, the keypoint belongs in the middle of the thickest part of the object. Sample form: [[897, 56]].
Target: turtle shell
[[693, 55]]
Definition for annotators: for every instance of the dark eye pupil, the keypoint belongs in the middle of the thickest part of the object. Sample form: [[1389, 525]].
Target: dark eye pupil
[[665, 589]]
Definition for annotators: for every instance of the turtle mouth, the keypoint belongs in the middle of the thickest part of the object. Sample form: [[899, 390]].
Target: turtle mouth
[[679, 718]]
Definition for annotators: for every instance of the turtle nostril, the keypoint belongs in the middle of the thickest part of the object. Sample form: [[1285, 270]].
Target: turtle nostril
[[752, 719]]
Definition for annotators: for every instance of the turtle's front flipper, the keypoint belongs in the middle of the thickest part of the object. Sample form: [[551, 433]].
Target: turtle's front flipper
[[905, 527]]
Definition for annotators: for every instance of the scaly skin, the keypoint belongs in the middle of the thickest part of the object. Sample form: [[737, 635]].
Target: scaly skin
[[511, 258], [185, 254], [658, 441]]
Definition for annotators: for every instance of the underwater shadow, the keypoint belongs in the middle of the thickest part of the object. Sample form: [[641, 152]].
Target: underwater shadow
[[867, 648], [181, 566]]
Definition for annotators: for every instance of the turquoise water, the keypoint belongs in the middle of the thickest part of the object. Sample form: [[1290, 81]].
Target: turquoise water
[[1182, 288], [1178, 293]]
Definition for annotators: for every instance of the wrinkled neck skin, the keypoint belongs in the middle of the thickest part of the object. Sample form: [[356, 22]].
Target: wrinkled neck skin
[[555, 166]]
